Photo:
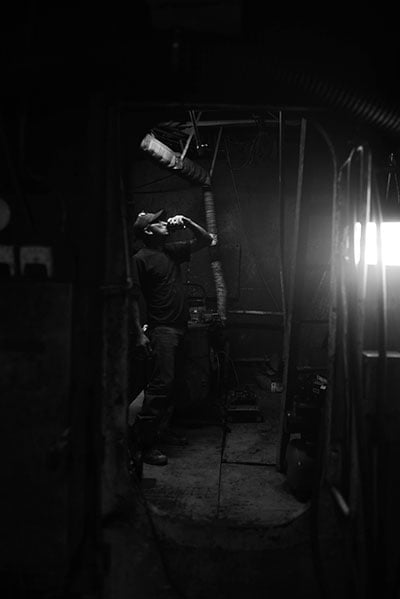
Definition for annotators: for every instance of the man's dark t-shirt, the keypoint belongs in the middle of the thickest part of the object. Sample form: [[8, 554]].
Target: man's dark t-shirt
[[157, 274]]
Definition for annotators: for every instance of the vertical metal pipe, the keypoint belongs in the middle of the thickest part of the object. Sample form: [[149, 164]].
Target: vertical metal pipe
[[189, 139], [281, 215], [299, 192], [380, 459], [289, 342], [195, 128], [216, 151], [185, 149], [122, 201]]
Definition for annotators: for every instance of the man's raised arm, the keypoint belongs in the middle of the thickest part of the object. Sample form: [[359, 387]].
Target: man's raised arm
[[202, 238]]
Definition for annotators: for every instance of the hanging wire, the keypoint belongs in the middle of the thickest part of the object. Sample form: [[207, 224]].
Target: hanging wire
[[379, 461], [289, 337], [153, 181], [366, 561], [246, 146], [364, 543], [232, 363], [325, 424], [217, 144], [123, 204], [392, 171], [296, 225], [351, 434], [352, 283]]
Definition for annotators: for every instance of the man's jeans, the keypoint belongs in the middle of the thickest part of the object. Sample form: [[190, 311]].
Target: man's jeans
[[166, 372]]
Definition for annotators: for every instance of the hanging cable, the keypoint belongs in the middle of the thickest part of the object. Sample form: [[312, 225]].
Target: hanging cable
[[356, 572], [296, 225], [216, 151], [151, 182], [357, 448], [355, 206], [123, 211], [392, 171], [323, 441], [366, 563], [379, 462]]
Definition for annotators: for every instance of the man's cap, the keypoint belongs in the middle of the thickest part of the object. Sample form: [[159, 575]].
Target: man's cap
[[146, 218]]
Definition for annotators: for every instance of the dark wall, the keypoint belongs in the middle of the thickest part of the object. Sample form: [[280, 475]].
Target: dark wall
[[52, 151]]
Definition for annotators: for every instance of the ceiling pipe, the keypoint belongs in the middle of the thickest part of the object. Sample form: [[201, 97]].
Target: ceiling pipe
[[371, 109]]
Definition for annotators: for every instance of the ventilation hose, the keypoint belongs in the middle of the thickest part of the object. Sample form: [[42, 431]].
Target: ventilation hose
[[369, 108], [216, 265], [193, 172]]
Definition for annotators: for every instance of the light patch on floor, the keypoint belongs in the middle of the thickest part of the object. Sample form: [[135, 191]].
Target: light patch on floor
[[253, 495]]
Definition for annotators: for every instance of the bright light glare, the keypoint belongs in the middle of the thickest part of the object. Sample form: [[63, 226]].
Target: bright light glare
[[390, 232]]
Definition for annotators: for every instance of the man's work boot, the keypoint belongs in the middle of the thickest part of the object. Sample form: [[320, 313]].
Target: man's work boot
[[144, 431], [154, 457]]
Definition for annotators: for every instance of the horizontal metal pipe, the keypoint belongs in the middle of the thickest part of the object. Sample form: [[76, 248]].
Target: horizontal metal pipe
[[218, 106], [255, 312], [250, 360], [234, 123]]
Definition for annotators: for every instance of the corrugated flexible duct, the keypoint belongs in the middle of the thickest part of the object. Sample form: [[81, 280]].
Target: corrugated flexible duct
[[193, 172], [370, 108]]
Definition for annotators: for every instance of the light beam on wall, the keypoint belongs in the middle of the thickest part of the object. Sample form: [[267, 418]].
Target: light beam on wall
[[390, 234]]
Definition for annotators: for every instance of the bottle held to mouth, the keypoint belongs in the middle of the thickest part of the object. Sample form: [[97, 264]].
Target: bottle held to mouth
[[175, 224]]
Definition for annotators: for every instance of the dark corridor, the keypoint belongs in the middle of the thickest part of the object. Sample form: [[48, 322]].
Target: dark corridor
[[227, 523], [279, 134]]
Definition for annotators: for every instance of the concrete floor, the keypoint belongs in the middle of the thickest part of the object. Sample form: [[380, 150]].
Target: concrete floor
[[225, 522]]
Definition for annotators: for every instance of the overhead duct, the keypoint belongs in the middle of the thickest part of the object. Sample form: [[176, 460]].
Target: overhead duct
[[371, 109], [193, 172], [172, 160]]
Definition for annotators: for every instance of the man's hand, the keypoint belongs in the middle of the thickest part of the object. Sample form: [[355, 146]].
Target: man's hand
[[143, 344], [177, 222], [202, 237]]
